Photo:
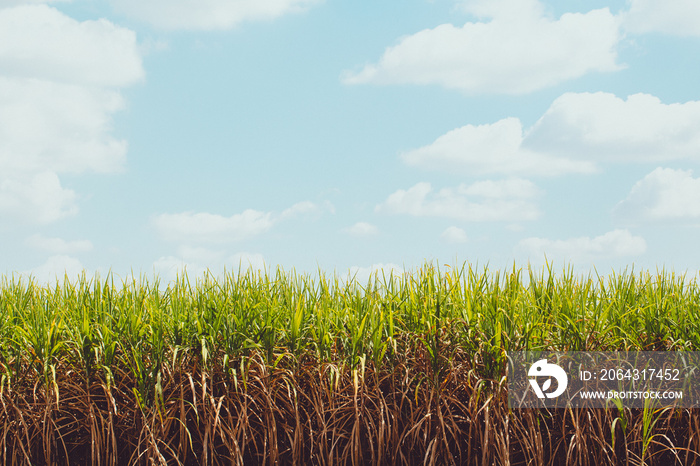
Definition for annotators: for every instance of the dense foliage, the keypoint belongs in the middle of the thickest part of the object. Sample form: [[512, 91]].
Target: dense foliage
[[274, 368]]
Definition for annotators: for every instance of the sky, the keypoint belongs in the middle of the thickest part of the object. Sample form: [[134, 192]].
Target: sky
[[152, 136]]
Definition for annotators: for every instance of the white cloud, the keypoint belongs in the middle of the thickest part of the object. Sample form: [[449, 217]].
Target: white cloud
[[604, 127], [212, 228], [616, 243], [488, 149], [362, 229], [168, 268], [520, 50], [200, 255], [664, 194], [247, 261], [192, 230], [203, 227], [574, 134], [193, 260], [196, 261], [10, 3], [676, 17], [454, 235], [300, 208], [58, 245], [39, 42], [58, 267], [59, 81], [38, 198], [149, 45], [505, 200], [328, 205], [208, 14], [59, 127]]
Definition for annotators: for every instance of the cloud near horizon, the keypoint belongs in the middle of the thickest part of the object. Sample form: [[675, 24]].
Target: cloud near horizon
[[204, 227], [362, 230], [584, 249], [196, 261], [483, 201], [664, 195], [56, 268], [454, 235], [58, 245]]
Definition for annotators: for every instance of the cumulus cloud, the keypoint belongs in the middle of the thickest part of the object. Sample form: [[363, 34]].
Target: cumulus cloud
[[576, 133], [59, 127], [203, 227], [168, 268], [59, 88], [208, 14], [196, 261], [616, 243], [58, 245], [212, 228], [488, 149], [247, 261], [454, 235], [36, 198], [362, 229], [605, 127], [663, 195], [57, 268], [677, 17], [504, 200], [519, 50], [40, 42], [300, 208], [197, 232]]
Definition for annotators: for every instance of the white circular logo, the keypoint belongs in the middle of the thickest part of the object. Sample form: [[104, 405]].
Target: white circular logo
[[543, 369]]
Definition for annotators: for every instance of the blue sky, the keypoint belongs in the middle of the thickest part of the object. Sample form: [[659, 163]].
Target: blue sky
[[150, 135]]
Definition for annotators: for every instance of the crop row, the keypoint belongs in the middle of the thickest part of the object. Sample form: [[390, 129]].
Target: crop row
[[423, 351], [95, 324]]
